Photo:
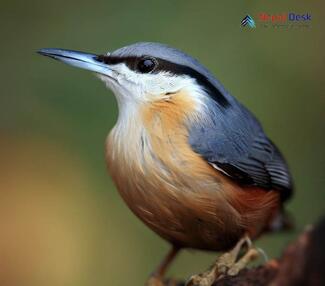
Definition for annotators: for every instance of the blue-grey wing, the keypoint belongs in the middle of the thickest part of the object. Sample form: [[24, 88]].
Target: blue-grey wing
[[233, 142]]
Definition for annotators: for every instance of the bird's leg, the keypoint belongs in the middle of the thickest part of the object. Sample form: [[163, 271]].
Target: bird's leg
[[227, 264], [156, 278], [249, 256]]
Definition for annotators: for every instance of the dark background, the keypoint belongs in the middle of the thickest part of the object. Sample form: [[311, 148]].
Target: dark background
[[61, 220]]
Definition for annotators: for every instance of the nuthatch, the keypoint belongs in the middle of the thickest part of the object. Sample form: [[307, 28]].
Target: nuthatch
[[188, 159]]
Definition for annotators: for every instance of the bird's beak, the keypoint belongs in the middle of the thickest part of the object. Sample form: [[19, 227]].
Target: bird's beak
[[77, 59]]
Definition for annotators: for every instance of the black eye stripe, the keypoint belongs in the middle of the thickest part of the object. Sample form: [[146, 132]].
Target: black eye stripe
[[129, 61], [177, 69]]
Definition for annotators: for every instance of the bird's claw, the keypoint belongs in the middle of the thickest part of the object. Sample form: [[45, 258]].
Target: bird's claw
[[226, 264], [205, 279]]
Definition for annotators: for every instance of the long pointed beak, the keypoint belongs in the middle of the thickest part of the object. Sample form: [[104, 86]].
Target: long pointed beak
[[78, 59]]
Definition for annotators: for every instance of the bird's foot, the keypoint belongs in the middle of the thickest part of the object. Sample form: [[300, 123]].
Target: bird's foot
[[249, 256], [204, 279], [227, 264]]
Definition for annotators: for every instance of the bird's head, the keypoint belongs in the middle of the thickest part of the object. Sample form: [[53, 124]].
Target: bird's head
[[147, 72]]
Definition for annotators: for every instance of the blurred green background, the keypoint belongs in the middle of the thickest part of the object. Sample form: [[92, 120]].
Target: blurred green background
[[61, 220]]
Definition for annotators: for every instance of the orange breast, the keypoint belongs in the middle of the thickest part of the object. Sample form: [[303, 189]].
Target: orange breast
[[172, 189]]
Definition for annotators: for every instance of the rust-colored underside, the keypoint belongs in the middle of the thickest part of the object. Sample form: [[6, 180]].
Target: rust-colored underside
[[174, 190]]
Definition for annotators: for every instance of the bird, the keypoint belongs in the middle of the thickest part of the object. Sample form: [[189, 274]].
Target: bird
[[188, 159]]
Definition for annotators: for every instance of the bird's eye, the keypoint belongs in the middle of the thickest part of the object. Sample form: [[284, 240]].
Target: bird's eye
[[147, 65]]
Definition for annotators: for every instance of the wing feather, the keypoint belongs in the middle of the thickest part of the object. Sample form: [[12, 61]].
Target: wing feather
[[233, 142]]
